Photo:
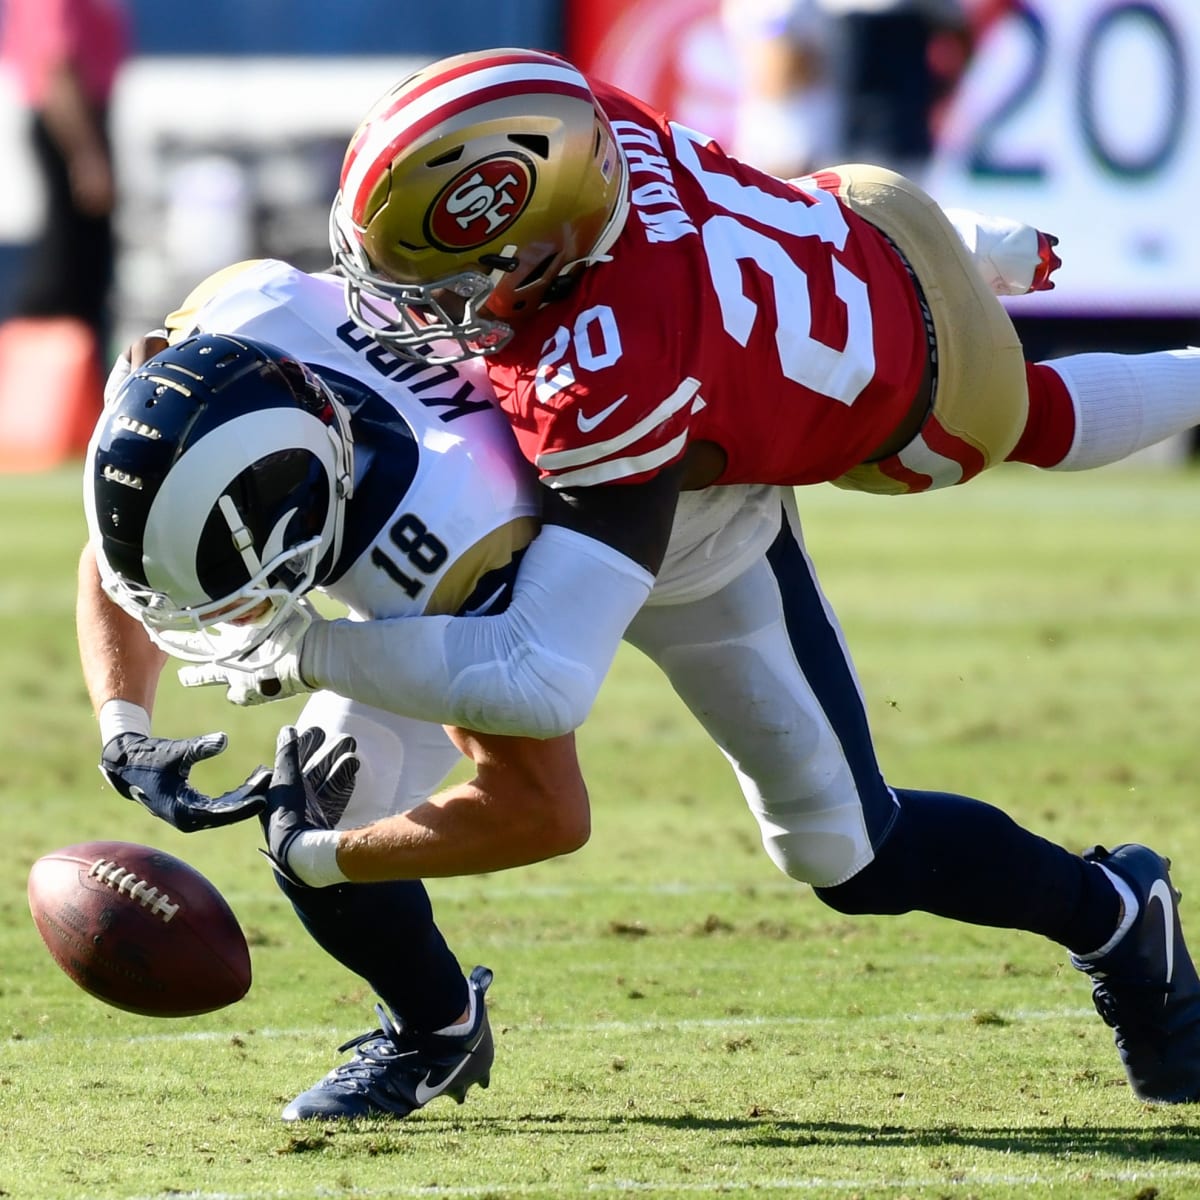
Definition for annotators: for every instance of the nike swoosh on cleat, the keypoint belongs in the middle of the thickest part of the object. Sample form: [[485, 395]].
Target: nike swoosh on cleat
[[587, 424], [424, 1094], [1161, 892]]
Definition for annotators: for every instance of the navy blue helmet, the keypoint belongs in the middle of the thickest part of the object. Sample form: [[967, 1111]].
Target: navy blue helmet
[[215, 490]]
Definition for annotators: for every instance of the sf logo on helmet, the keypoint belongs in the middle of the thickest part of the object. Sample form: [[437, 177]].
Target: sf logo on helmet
[[480, 203]]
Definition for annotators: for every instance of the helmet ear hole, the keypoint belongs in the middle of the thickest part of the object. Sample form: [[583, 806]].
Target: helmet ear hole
[[561, 287]]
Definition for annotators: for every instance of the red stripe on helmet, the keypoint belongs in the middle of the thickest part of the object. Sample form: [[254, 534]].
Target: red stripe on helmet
[[481, 64], [411, 133]]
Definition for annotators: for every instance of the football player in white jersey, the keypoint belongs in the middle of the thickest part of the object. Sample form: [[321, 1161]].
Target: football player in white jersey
[[227, 477], [736, 621]]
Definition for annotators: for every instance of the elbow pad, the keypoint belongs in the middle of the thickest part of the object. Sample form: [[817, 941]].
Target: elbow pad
[[534, 693], [531, 671]]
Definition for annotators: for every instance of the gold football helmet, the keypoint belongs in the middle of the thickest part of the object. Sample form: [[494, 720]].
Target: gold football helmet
[[469, 194]]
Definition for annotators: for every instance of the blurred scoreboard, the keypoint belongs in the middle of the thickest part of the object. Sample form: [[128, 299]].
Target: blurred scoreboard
[[1079, 116], [1083, 118]]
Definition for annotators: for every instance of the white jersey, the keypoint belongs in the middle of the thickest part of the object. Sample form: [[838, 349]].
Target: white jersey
[[444, 502]]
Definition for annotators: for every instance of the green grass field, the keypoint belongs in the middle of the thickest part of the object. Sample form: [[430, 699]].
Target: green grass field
[[673, 1017]]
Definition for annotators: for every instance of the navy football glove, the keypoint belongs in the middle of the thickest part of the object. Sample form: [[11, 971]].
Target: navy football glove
[[303, 799], [154, 772], [329, 772]]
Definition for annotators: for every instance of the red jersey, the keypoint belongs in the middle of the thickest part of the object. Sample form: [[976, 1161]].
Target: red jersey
[[734, 308]]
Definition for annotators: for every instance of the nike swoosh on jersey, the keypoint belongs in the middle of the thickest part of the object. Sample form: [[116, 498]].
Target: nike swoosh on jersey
[[578, 464], [1162, 893], [587, 424], [424, 1093]]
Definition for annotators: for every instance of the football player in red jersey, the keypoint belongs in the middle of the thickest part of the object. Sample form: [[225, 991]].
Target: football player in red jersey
[[668, 331], [657, 317]]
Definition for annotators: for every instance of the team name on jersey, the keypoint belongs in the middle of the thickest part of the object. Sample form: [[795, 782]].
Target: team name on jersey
[[656, 202], [419, 377]]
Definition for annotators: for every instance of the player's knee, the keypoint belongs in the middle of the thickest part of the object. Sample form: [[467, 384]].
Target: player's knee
[[817, 836], [820, 858]]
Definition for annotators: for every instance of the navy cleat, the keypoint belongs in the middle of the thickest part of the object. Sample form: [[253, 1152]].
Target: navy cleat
[[394, 1071], [1146, 986]]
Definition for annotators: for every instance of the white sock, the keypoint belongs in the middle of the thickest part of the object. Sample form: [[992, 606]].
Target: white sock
[[1126, 402], [460, 1027]]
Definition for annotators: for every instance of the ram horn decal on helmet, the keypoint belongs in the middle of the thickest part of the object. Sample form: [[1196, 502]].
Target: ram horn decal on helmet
[[469, 194]]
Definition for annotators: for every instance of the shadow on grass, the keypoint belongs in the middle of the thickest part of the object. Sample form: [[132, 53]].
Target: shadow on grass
[[1126, 1143], [1180, 1144]]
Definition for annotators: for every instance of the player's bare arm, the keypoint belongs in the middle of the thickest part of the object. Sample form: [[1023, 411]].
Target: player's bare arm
[[527, 802], [119, 660]]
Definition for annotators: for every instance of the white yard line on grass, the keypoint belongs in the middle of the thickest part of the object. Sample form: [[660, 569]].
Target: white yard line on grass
[[633, 1027]]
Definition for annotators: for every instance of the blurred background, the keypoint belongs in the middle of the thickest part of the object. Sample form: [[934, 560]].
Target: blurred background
[[228, 121]]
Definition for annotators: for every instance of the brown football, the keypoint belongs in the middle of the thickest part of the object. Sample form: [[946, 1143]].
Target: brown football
[[139, 929]]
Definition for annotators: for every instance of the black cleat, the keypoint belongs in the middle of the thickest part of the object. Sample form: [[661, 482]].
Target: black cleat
[[394, 1071], [1146, 987]]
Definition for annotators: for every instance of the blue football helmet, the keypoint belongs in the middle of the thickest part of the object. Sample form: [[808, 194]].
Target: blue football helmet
[[215, 488]]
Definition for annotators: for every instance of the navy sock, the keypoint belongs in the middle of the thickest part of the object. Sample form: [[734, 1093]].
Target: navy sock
[[385, 933], [963, 859]]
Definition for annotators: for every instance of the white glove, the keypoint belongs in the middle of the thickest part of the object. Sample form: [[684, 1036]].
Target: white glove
[[276, 682], [277, 679], [269, 672]]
